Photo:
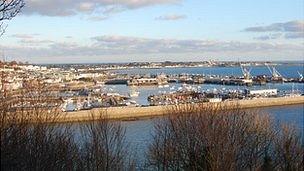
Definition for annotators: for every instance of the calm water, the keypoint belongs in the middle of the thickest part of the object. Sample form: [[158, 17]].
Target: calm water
[[139, 133], [146, 91], [287, 71]]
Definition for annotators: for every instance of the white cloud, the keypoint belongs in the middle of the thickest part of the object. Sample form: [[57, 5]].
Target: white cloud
[[145, 45], [24, 36], [35, 42], [294, 35], [125, 47], [287, 30], [269, 36], [171, 17], [85, 7], [291, 26], [72, 7], [97, 18]]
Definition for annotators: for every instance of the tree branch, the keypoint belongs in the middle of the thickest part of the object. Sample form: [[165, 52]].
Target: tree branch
[[8, 10]]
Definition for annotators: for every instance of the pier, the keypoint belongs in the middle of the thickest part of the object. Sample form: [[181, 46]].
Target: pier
[[134, 113]]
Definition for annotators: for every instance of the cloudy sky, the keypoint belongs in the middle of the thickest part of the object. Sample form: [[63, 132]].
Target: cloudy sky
[[75, 31]]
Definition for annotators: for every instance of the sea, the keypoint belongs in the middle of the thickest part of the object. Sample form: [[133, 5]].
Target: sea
[[139, 133], [287, 71]]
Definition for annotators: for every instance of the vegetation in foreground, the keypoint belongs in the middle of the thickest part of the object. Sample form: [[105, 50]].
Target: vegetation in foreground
[[190, 138], [200, 138], [206, 138]]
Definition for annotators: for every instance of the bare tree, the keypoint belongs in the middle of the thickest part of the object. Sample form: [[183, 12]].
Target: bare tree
[[289, 151], [8, 10], [203, 137], [104, 145], [31, 139]]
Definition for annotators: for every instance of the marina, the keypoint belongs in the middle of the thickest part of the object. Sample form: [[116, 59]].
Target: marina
[[152, 85], [147, 112], [274, 76], [77, 88], [201, 86], [122, 95]]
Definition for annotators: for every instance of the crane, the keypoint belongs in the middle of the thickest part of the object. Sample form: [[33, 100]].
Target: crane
[[246, 73], [276, 75], [300, 76]]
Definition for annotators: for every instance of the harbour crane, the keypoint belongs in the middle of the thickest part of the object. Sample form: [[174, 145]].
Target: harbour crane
[[246, 73], [247, 76], [276, 75], [301, 78]]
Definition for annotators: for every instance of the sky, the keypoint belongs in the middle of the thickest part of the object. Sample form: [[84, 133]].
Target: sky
[[102, 31]]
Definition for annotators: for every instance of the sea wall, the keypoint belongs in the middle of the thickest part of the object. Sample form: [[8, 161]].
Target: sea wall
[[133, 113]]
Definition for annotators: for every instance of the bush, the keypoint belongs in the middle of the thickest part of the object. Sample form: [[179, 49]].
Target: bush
[[203, 137]]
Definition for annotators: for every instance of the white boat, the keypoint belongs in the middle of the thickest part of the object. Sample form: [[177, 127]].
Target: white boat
[[132, 103], [87, 105], [134, 93], [172, 88], [79, 105], [68, 105]]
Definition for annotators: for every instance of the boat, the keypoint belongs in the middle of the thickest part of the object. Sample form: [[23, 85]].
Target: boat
[[79, 105], [134, 93], [68, 105], [87, 105], [132, 103], [172, 88]]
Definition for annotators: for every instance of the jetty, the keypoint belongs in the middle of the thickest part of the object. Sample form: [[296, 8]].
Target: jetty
[[135, 113]]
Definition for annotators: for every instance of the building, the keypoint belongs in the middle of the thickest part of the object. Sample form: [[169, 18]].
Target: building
[[159, 80], [263, 92], [215, 100]]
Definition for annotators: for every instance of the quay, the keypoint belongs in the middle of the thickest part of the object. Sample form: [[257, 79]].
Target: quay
[[135, 113]]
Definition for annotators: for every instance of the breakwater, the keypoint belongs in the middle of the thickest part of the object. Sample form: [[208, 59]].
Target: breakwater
[[134, 113]]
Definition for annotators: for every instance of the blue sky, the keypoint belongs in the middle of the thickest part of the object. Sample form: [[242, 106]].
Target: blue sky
[[65, 31]]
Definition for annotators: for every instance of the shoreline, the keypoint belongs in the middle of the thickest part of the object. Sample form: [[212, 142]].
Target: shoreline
[[136, 113]]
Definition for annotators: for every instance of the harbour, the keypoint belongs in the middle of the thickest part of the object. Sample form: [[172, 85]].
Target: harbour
[[151, 85], [135, 113], [75, 89], [144, 86]]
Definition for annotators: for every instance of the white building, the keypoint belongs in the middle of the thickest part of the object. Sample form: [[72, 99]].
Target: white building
[[263, 92], [215, 100]]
